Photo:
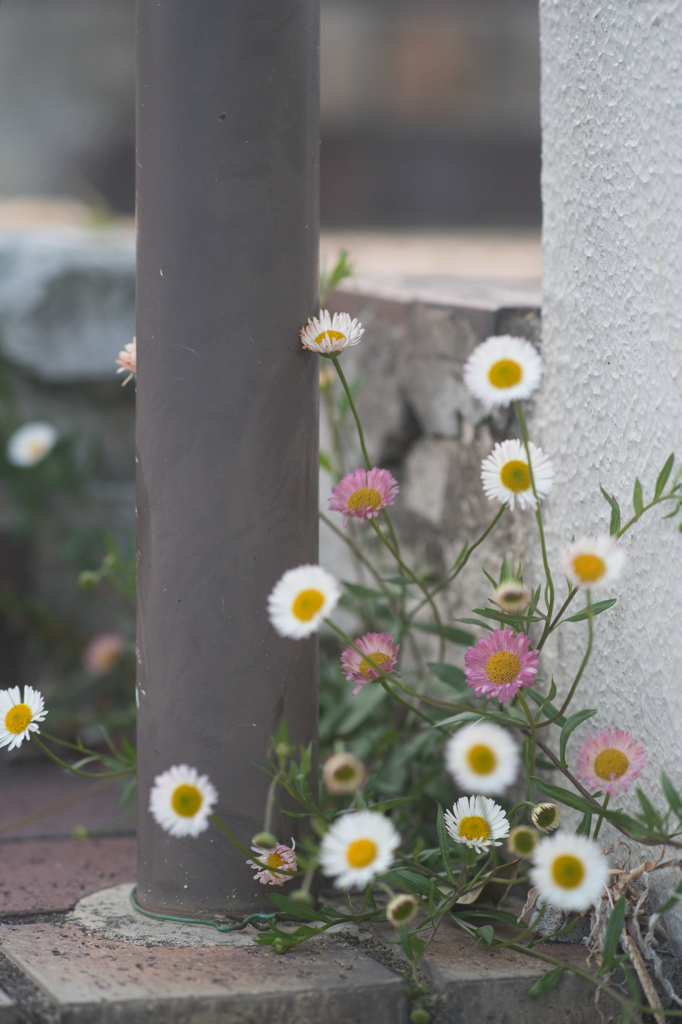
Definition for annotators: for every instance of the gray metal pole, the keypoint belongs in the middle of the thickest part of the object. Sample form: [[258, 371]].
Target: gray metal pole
[[227, 164]]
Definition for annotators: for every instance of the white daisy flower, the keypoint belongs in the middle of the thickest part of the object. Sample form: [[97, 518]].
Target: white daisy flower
[[506, 477], [18, 719], [331, 333], [182, 801], [502, 370], [301, 599], [512, 596], [482, 758], [570, 871], [357, 848], [477, 821], [593, 562], [31, 443]]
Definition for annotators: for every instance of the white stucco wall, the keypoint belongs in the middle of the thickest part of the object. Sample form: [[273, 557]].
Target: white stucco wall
[[611, 404]]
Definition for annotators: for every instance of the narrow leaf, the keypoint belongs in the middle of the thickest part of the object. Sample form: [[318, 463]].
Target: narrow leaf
[[585, 826], [443, 844], [671, 795], [400, 581], [360, 591], [407, 881], [597, 609], [405, 942], [449, 674], [572, 723], [549, 980], [325, 463], [486, 933], [295, 909], [637, 498], [614, 526], [663, 476], [614, 927], [455, 636]]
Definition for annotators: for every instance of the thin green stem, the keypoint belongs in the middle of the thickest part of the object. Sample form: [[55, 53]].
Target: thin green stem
[[531, 723], [541, 530], [342, 377], [557, 618], [583, 664], [77, 771], [413, 576], [359, 555], [597, 827]]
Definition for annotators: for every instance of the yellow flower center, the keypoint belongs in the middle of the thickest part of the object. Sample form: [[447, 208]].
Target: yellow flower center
[[332, 335], [371, 661], [568, 871], [589, 568], [186, 801], [474, 827], [502, 667], [344, 774], [18, 718], [307, 604], [275, 860], [365, 497], [610, 763], [505, 373], [361, 852], [36, 448], [482, 760], [515, 476]]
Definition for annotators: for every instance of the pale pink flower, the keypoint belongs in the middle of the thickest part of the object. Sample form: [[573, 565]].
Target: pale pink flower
[[127, 361], [103, 652], [362, 494], [379, 652], [276, 857], [500, 664], [610, 761]]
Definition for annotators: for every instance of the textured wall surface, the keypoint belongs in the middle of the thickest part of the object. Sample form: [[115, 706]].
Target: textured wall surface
[[611, 404]]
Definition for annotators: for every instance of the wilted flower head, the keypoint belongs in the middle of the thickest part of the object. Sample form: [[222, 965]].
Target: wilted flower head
[[127, 361], [503, 369], [546, 817], [31, 443], [570, 871], [182, 801], [378, 652], [331, 333], [19, 718], [610, 761], [103, 652], [512, 596], [279, 860], [362, 494], [593, 562], [401, 909], [499, 664], [522, 840], [301, 599], [343, 773]]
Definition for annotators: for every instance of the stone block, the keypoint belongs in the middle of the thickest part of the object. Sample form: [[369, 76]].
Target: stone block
[[8, 1009]]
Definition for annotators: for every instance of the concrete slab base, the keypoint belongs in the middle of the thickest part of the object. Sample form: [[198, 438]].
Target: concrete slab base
[[8, 1009], [105, 964]]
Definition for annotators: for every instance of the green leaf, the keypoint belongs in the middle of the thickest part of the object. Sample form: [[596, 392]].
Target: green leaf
[[614, 928], [364, 705], [597, 609], [359, 591], [572, 723], [615, 512], [405, 942], [565, 796], [449, 674], [400, 581], [549, 980], [493, 915], [544, 703], [585, 826], [459, 719], [407, 881], [295, 909], [455, 636], [649, 812], [663, 476], [325, 463], [637, 498], [486, 933], [443, 844], [671, 795]]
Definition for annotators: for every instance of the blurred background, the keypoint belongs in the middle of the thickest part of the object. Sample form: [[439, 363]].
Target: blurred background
[[430, 109]]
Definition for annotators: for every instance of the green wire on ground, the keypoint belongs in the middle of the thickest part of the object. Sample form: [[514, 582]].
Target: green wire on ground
[[239, 923]]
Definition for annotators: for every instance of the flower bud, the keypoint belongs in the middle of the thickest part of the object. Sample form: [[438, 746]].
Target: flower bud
[[401, 909], [420, 1016], [264, 839], [343, 773], [512, 596], [301, 896], [522, 840], [546, 817]]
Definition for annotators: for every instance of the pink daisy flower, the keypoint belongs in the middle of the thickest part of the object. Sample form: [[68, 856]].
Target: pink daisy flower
[[362, 494], [500, 664], [276, 857], [378, 649], [103, 653], [611, 761]]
